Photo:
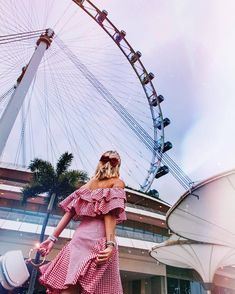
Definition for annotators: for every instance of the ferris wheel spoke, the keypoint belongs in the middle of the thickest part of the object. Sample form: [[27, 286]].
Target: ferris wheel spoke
[[60, 18], [65, 120], [35, 9], [49, 134], [79, 113], [9, 23], [116, 105], [62, 122], [105, 96]]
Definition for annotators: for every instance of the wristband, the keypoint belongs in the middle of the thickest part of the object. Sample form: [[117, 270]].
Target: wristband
[[53, 238], [108, 243]]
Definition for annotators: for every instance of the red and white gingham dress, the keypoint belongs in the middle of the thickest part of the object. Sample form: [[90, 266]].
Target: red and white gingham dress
[[75, 263]]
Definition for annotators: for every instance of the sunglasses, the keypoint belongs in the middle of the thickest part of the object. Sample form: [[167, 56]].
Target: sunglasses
[[113, 161]]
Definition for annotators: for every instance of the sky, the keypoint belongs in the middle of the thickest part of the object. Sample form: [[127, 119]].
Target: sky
[[189, 46]]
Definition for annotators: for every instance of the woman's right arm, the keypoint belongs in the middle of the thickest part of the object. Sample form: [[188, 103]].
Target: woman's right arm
[[46, 246], [63, 223]]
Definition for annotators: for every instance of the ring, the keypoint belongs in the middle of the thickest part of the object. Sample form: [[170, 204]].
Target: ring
[[30, 258]]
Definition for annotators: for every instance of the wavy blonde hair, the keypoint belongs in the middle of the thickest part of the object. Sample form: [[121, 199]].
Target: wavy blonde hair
[[106, 170]]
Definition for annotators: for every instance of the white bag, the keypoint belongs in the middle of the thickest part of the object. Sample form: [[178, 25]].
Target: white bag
[[13, 270]]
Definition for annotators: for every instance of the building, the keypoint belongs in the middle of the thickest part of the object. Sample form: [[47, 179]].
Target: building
[[20, 228]]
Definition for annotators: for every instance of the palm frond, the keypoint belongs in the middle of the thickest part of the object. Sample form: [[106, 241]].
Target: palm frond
[[37, 164], [82, 176], [67, 182], [63, 163], [70, 181], [30, 191], [60, 181], [43, 172]]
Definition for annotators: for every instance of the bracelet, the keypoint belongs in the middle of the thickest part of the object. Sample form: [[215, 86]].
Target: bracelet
[[108, 243], [53, 238]]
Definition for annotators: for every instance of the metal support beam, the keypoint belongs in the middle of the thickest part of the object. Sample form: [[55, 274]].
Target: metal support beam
[[24, 81]]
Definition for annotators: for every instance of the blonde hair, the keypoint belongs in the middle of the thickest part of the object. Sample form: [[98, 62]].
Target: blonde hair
[[105, 170]]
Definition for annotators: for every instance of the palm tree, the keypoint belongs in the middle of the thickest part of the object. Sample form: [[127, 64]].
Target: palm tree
[[58, 183]]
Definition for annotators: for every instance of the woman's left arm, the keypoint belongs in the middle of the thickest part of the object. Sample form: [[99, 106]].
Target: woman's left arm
[[110, 225]]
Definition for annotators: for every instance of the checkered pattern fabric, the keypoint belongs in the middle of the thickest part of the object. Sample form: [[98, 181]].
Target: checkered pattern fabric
[[75, 264], [86, 202]]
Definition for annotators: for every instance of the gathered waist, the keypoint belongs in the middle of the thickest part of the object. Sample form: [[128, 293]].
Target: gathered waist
[[91, 226], [89, 220]]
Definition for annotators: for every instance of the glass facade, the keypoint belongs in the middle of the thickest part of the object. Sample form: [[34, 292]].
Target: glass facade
[[178, 286], [131, 229]]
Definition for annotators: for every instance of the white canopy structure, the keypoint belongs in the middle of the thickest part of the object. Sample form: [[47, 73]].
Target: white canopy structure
[[207, 213], [204, 258]]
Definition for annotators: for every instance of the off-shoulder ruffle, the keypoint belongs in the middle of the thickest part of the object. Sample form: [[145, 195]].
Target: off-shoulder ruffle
[[86, 202]]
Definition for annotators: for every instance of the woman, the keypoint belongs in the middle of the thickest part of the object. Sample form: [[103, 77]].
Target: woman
[[88, 264]]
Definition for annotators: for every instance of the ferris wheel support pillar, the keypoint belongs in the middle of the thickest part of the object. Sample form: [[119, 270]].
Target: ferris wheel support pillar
[[23, 83]]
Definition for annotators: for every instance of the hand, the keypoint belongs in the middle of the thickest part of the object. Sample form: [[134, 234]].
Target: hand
[[104, 255], [45, 247]]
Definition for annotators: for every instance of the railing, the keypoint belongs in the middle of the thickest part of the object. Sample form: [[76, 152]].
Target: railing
[[12, 165], [140, 235], [11, 183], [145, 208], [38, 217]]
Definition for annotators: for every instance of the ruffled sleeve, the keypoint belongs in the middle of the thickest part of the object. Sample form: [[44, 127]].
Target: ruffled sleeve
[[95, 203]]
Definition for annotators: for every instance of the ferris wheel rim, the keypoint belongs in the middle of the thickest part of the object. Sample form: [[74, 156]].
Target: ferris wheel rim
[[158, 149]]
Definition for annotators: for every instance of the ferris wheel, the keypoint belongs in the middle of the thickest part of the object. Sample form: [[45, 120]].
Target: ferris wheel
[[91, 91]]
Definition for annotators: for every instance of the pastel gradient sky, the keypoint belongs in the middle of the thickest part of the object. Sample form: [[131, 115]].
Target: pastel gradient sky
[[190, 47]]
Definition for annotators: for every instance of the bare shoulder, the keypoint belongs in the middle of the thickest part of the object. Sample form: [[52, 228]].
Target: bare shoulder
[[118, 183]]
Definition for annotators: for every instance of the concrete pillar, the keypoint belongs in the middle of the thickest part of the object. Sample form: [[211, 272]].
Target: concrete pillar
[[158, 285], [146, 286]]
